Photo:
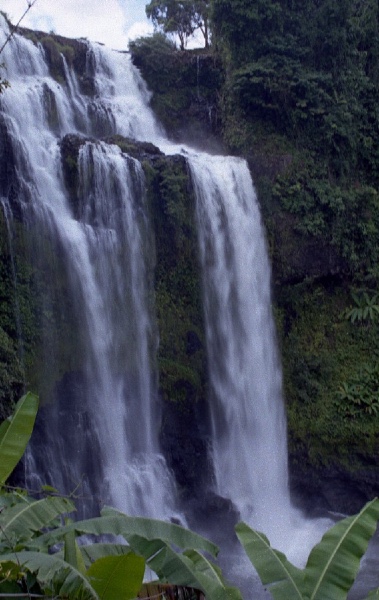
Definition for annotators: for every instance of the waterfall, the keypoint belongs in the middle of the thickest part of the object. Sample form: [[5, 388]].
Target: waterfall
[[102, 431], [101, 435], [244, 370], [248, 423]]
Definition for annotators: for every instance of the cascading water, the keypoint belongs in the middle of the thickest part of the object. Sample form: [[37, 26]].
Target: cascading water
[[112, 425], [249, 439], [112, 415], [245, 377]]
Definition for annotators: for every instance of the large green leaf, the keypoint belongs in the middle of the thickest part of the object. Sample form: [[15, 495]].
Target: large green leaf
[[373, 595], [72, 554], [334, 562], [206, 569], [117, 576], [92, 552], [15, 433], [285, 580], [155, 529], [54, 574], [116, 523], [18, 523], [190, 569]]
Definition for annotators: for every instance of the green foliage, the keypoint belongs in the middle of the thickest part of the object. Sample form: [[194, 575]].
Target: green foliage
[[306, 71], [11, 372], [180, 18], [332, 564], [30, 533], [344, 219], [173, 17], [183, 83], [272, 566], [321, 352], [177, 281], [107, 576], [15, 433], [55, 47], [365, 309], [359, 396]]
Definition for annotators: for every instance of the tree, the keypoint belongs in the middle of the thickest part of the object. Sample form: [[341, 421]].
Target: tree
[[172, 16], [180, 17], [201, 18]]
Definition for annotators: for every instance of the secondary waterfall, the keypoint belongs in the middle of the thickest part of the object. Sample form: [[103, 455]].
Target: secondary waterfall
[[105, 434], [244, 371]]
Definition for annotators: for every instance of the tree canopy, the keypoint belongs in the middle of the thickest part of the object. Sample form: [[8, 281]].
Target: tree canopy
[[180, 17]]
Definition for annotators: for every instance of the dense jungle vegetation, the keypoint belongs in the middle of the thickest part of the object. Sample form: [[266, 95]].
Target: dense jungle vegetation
[[293, 86], [42, 554]]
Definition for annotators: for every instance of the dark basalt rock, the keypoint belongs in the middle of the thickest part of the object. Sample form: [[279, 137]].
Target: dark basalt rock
[[75, 53], [70, 146], [9, 184], [186, 446], [139, 150], [333, 488]]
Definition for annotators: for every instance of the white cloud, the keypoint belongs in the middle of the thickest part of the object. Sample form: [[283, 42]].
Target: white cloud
[[141, 28], [112, 22], [108, 21]]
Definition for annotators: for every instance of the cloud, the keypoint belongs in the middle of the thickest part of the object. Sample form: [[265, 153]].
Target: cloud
[[112, 22], [139, 29], [107, 21]]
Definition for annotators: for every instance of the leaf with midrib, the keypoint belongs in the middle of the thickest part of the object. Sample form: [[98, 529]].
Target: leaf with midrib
[[19, 522], [188, 569], [15, 433], [272, 566], [334, 562], [67, 581], [116, 523]]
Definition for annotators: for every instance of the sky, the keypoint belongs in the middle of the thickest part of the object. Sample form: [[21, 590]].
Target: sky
[[112, 22]]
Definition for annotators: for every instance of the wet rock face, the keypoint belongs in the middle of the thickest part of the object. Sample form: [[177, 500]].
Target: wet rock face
[[185, 446], [70, 146], [9, 186], [333, 488], [74, 52]]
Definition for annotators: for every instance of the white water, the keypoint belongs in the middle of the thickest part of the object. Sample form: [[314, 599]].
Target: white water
[[112, 300], [244, 370], [249, 437], [112, 435]]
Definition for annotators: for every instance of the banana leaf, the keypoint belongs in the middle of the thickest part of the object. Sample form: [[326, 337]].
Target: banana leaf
[[54, 575], [15, 433], [72, 553], [189, 569], [19, 522], [285, 580], [115, 523], [92, 552], [334, 562], [117, 576]]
